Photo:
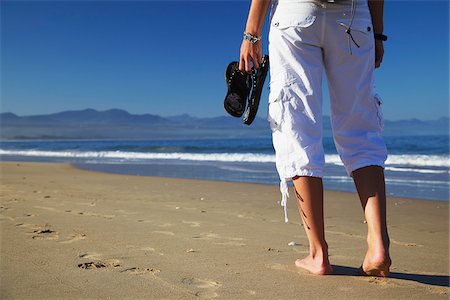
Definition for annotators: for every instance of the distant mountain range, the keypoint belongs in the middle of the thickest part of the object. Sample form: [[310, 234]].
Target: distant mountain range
[[116, 123]]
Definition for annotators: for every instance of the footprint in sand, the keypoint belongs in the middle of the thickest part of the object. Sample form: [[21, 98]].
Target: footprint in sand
[[92, 265], [98, 264], [95, 262], [45, 234], [204, 288], [74, 237]]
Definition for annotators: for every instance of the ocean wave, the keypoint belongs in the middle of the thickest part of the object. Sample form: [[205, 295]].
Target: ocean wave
[[418, 160], [395, 162], [223, 157]]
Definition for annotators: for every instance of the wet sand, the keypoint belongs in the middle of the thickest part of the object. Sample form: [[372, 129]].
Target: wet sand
[[73, 234]]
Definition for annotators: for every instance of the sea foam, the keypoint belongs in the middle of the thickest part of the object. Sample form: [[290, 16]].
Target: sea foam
[[419, 160]]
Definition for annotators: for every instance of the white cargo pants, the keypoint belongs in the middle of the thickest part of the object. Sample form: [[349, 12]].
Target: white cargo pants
[[307, 38]]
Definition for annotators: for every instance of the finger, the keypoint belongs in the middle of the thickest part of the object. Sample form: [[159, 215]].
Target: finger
[[259, 59], [377, 61], [248, 67], [242, 65], [256, 61]]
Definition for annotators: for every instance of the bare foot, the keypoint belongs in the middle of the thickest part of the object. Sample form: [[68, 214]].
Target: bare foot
[[376, 263], [376, 266], [314, 266]]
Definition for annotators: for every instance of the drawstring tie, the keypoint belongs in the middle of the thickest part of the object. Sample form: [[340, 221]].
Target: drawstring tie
[[350, 36], [284, 196], [349, 28]]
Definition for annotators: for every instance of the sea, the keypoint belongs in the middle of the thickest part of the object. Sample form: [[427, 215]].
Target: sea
[[417, 166]]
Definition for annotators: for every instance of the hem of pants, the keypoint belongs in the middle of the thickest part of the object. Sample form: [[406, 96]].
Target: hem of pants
[[308, 173], [363, 164]]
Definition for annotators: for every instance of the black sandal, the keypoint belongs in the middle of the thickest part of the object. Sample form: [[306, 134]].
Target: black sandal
[[258, 76], [239, 85]]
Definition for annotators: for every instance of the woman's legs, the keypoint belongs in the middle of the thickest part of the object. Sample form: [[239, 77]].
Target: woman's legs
[[309, 194], [356, 119], [370, 185]]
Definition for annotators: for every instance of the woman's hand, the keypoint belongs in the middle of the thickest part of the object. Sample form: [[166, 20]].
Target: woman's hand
[[251, 55], [379, 53]]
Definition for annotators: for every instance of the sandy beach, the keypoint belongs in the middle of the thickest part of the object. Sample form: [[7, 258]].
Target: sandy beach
[[73, 234]]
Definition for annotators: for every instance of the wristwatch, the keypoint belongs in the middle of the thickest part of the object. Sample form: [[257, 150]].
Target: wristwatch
[[252, 38], [380, 36]]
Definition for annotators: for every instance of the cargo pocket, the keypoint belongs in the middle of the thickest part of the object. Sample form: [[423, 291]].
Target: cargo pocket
[[278, 96], [275, 108], [377, 102]]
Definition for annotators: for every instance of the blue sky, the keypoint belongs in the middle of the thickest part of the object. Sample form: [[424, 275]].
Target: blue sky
[[169, 57]]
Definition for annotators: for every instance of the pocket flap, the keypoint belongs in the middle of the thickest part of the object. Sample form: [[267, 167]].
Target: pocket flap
[[294, 21], [361, 25]]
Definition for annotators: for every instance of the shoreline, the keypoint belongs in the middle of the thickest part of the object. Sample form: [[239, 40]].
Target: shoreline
[[76, 234], [109, 168], [350, 194]]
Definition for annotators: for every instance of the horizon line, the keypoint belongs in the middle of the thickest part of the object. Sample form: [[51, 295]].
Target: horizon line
[[181, 114]]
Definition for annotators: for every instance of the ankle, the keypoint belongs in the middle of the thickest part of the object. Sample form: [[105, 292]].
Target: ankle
[[319, 252], [378, 251], [379, 242]]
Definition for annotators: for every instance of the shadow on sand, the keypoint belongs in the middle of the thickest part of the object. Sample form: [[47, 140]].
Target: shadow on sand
[[436, 280]]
